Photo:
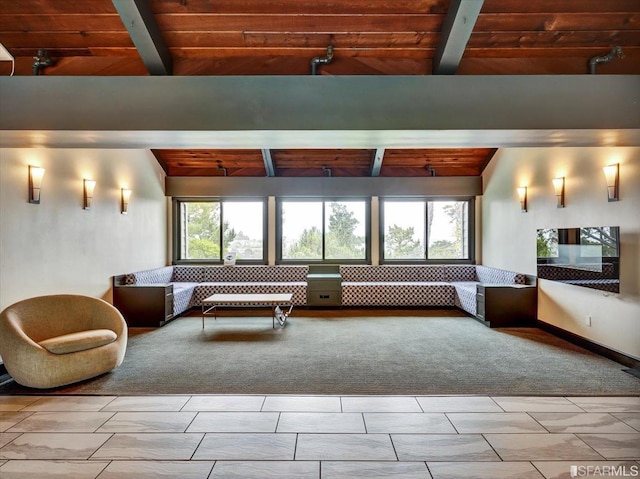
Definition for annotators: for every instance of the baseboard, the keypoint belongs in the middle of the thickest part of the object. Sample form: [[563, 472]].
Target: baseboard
[[592, 346]]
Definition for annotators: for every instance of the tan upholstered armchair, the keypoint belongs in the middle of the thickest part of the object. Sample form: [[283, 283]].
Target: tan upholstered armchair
[[51, 341]]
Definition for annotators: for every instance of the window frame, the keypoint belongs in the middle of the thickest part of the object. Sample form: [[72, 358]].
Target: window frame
[[177, 236], [471, 230], [324, 201]]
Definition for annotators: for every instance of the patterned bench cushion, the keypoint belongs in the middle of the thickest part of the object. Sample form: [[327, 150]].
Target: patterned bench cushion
[[463, 272], [498, 276], [189, 274], [298, 289], [397, 294], [466, 296], [182, 296], [255, 274], [151, 276], [402, 273]]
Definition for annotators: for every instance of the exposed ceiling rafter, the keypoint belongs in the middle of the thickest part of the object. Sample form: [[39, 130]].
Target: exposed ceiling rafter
[[146, 35], [456, 31], [376, 164], [268, 162]]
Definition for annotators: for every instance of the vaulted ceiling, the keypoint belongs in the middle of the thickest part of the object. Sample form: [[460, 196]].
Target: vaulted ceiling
[[281, 37]]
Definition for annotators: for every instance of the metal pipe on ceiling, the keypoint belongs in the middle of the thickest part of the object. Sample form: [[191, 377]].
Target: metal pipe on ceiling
[[615, 52], [322, 60]]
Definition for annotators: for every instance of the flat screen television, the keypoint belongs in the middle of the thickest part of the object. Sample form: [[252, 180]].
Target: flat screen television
[[586, 256]]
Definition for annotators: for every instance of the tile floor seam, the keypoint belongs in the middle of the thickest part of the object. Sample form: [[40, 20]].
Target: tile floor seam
[[426, 463], [278, 421], [577, 436], [29, 414], [394, 448], [539, 423], [100, 446], [106, 421], [626, 421], [537, 469], [496, 403], [491, 446], [192, 419], [112, 400], [451, 422]]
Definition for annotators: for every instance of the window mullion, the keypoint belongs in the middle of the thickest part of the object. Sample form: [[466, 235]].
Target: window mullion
[[220, 229], [426, 230], [323, 229]]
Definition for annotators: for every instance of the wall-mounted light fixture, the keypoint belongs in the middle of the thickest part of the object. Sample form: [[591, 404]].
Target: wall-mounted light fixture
[[522, 196], [612, 175], [125, 196], [35, 183], [558, 186], [87, 188]]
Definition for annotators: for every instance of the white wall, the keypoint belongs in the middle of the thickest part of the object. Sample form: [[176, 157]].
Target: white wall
[[57, 246], [509, 236]]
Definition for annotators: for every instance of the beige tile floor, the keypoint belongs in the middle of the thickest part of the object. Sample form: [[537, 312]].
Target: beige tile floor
[[319, 437]]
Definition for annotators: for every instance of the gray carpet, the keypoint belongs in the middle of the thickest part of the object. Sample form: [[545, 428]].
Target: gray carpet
[[342, 352]]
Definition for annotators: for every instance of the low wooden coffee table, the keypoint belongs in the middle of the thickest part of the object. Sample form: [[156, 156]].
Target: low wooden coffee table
[[275, 301]]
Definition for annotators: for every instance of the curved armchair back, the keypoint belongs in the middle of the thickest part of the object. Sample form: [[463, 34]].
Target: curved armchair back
[[44, 317]]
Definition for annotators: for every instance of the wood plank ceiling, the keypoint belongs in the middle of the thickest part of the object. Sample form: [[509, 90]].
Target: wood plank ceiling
[[281, 37]]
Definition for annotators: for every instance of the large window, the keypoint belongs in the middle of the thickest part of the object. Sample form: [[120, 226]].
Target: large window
[[208, 230], [320, 231], [426, 230]]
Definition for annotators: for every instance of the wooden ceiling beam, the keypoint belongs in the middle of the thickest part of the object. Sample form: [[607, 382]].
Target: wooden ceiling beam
[[268, 162], [458, 25], [376, 163], [146, 35]]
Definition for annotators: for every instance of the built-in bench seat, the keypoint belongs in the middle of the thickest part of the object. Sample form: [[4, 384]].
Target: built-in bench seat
[[362, 285], [192, 284], [419, 285]]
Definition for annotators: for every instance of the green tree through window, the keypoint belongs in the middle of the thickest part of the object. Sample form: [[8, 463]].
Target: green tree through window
[[443, 223], [203, 222], [318, 230]]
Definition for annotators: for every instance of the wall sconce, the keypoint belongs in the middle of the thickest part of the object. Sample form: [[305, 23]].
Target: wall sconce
[[558, 186], [35, 183], [88, 186], [125, 196], [522, 196], [612, 175]]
